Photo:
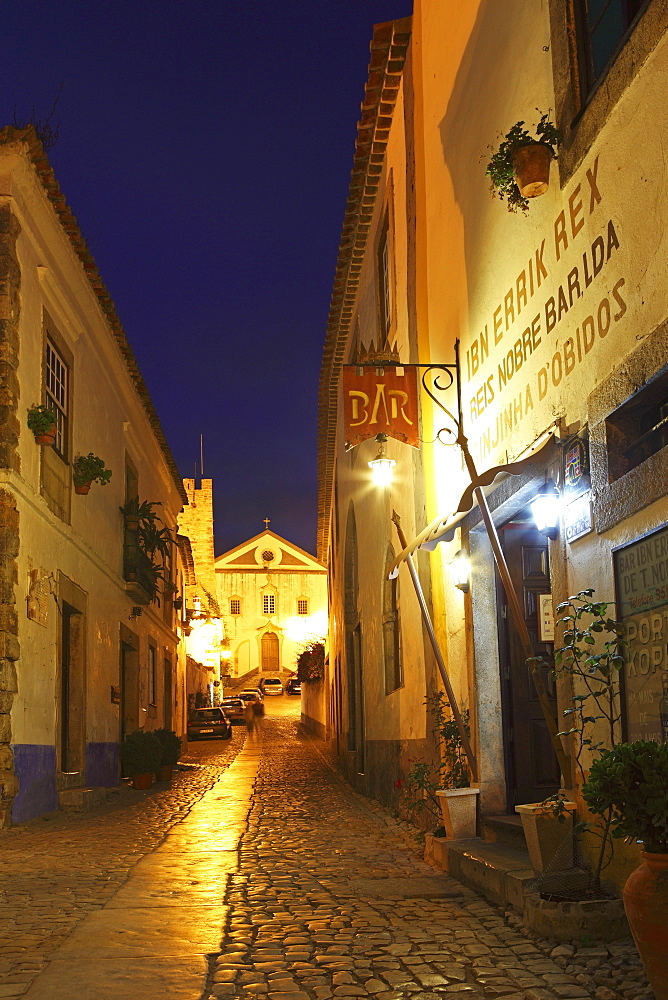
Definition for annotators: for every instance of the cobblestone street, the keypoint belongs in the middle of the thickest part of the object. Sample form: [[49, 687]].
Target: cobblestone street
[[324, 896]]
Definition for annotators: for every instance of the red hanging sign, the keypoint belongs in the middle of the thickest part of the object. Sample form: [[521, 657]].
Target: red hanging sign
[[380, 401]]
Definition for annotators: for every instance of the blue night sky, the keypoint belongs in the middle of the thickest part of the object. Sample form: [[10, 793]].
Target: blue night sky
[[205, 149]]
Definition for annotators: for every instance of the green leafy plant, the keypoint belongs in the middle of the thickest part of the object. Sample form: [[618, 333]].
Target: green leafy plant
[[628, 787], [311, 661], [41, 419], [500, 168], [591, 657], [90, 469], [449, 769], [141, 753], [171, 746], [147, 533]]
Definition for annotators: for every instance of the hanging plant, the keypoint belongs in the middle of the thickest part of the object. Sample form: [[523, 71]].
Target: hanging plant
[[88, 469], [42, 422], [520, 168]]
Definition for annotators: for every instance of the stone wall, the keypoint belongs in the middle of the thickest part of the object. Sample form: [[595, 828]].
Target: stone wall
[[196, 522], [10, 284]]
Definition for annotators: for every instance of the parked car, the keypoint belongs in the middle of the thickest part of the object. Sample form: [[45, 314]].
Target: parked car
[[271, 685], [249, 694], [209, 723], [293, 686], [234, 709]]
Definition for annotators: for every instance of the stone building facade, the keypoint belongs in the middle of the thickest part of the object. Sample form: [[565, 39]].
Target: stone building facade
[[86, 654], [273, 598], [558, 319]]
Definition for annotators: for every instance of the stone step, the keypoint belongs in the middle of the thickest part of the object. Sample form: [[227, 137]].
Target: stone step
[[81, 799], [496, 871], [504, 829]]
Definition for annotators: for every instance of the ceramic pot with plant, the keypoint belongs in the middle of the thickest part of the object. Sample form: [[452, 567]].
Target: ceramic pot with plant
[[141, 754], [89, 469], [42, 421], [628, 787], [520, 168], [171, 751]]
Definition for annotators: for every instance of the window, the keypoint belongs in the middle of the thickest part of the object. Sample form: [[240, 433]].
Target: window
[[235, 606], [638, 429], [302, 606], [268, 556], [602, 28], [384, 279], [56, 391], [151, 676], [268, 604]]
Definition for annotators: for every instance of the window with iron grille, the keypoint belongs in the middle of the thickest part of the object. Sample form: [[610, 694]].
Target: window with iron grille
[[56, 388], [235, 606], [602, 28], [302, 606], [268, 604]]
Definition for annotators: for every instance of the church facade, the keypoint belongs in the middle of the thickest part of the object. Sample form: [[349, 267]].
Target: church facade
[[273, 599]]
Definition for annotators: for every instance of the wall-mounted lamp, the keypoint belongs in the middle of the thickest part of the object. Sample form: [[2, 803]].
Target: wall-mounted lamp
[[381, 466], [225, 653], [545, 508], [461, 571]]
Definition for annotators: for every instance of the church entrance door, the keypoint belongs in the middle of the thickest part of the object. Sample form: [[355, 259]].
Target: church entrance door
[[269, 653]]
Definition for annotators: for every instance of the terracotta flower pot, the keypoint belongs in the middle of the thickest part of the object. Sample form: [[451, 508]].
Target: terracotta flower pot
[[164, 773], [531, 165], [142, 781], [458, 808], [47, 438], [646, 905], [82, 489]]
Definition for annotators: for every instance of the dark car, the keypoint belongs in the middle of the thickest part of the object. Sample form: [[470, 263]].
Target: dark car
[[209, 724], [293, 686], [234, 709]]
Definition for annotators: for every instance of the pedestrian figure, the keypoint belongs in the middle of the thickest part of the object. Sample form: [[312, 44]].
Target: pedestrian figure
[[257, 709], [249, 716]]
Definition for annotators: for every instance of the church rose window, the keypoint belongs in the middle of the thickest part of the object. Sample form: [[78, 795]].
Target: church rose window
[[268, 556]]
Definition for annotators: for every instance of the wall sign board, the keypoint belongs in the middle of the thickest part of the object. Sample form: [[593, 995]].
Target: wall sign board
[[546, 618], [641, 577], [380, 401]]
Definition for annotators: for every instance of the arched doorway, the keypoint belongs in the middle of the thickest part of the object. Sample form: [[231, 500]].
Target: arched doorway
[[270, 663]]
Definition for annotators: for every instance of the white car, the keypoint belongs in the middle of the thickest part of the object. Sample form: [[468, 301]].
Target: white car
[[250, 694], [271, 685]]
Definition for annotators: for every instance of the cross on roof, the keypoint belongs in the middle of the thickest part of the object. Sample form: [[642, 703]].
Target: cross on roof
[[267, 521]]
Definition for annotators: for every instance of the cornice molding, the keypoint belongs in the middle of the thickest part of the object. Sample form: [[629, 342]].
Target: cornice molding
[[388, 53]]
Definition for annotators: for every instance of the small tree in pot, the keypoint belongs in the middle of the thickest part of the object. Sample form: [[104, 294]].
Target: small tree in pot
[[171, 751], [628, 786], [141, 754]]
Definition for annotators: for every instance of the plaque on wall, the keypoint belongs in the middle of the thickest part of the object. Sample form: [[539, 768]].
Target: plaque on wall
[[641, 578]]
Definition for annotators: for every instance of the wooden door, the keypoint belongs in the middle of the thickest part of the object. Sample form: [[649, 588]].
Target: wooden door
[[270, 653], [531, 765]]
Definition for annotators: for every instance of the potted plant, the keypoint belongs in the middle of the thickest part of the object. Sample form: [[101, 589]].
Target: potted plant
[[520, 168], [141, 754], [628, 787], [42, 421], [88, 469], [147, 545], [548, 832], [457, 799], [442, 790], [311, 661], [171, 751], [590, 658]]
